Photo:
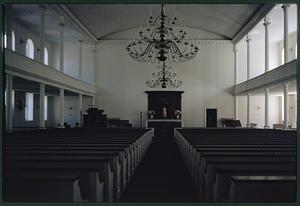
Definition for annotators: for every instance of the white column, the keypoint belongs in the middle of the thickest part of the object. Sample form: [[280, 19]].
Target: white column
[[80, 59], [94, 50], [267, 124], [8, 25], [235, 107], [62, 107], [79, 117], [285, 104], [285, 31], [266, 24], [235, 64], [61, 43], [42, 106], [248, 56], [42, 32], [9, 102], [248, 109]]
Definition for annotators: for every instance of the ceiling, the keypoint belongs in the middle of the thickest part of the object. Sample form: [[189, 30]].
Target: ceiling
[[104, 21]]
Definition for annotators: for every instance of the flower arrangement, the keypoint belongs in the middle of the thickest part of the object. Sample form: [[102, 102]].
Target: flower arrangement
[[177, 114], [151, 114]]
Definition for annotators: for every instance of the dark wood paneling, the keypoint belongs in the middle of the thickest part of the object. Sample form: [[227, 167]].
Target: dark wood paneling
[[171, 100]]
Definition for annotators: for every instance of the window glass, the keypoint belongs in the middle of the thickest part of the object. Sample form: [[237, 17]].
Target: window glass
[[29, 107], [13, 40], [5, 41], [45, 56], [30, 49]]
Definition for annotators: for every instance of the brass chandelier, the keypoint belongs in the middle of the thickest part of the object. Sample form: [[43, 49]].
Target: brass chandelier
[[163, 78], [160, 43]]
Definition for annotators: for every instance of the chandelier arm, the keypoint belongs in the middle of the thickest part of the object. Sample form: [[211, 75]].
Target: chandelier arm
[[153, 34], [143, 55], [155, 21]]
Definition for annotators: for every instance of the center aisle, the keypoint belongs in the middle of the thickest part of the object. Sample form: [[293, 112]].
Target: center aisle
[[162, 176]]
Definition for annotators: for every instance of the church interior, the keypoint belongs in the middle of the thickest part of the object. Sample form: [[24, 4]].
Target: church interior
[[150, 102]]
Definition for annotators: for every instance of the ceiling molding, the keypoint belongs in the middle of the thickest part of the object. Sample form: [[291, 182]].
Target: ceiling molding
[[255, 19], [198, 41], [79, 25], [106, 36]]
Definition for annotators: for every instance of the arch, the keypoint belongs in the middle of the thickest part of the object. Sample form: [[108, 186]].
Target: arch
[[30, 49], [13, 40], [46, 58]]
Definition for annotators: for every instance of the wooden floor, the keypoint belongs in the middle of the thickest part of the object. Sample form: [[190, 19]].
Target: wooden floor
[[162, 176]]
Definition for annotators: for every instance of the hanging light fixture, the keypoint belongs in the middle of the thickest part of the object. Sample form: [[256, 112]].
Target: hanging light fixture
[[160, 43], [163, 78]]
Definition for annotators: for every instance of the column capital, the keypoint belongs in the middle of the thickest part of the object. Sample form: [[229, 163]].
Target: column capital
[[285, 84], [285, 6], [248, 39], [267, 89], [8, 75], [267, 21], [61, 21], [61, 24], [42, 7], [80, 40]]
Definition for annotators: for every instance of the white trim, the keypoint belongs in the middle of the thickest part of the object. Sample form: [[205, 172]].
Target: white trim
[[198, 41]]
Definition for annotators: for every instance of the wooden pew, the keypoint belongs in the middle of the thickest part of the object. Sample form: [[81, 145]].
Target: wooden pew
[[257, 189], [57, 152], [199, 147]]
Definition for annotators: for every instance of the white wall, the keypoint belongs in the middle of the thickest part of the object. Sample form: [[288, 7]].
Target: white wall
[[257, 110], [207, 82], [71, 60], [242, 110], [22, 33], [70, 110], [19, 115], [71, 53]]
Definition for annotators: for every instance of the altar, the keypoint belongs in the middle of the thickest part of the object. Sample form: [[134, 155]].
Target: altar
[[164, 126], [164, 111]]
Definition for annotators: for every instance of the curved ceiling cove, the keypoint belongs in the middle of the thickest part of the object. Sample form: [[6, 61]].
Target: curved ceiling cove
[[109, 21]]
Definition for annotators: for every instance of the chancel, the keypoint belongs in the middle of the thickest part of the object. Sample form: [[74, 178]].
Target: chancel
[[84, 121]]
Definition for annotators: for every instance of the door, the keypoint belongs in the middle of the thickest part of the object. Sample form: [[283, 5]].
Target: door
[[211, 117]]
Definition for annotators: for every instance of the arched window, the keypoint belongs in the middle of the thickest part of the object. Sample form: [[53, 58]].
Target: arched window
[[45, 56], [13, 41], [5, 41], [30, 49], [282, 56]]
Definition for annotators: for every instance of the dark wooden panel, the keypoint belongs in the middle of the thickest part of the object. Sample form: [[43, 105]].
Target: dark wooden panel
[[171, 100]]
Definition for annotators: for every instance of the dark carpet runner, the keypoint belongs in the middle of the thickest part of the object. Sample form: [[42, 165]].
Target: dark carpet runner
[[162, 176]]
